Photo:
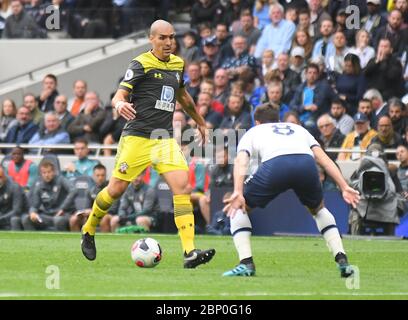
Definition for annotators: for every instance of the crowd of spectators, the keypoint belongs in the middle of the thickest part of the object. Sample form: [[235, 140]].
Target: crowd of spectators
[[347, 86]]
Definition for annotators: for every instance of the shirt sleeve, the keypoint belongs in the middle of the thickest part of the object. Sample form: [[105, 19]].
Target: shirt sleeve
[[246, 143], [134, 74]]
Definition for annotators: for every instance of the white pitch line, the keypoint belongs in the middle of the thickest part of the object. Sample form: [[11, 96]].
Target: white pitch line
[[184, 294]]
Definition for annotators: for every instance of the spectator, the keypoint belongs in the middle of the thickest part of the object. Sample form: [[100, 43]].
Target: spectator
[[396, 112], [179, 125], [206, 11], [221, 92], [248, 30], [87, 123], [11, 199], [7, 117], [373, 20], [208, 86], [24, 129], [303, 40], [402, 172], [365, 106], [359, 139], [304, 22], [211, 51], [379, 107], [311, 98], [384, 72], [232, 12], [189, 49], [290, 79], [77, 103], [60, 107], [139, 205], [261, 13], [392, 31], [223, 40], [268, 64], [78, 219], [22, 171], [241, 60], [291, 14], [111, 128], [83, 166], [31, 103], [274, 98], [206, 70], [20, 25], [50, 203], [386, 137], [221, 175], [48, 93], [298, 62], [402, 6], [362, 48], [243, 88], [213, 119], [292, 117], [350, 33], [330, 136], [277, 35], [324, 47], [52, 133], [5, 12], [194, 79], [317, 16], [350, 83], [94, 22], [335, 59], [236, 117], [342, 120]]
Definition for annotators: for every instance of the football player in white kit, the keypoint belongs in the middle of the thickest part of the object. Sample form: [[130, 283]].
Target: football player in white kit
[[288, 155]]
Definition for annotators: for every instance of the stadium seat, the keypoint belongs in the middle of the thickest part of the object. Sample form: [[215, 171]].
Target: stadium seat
[[82, 185]]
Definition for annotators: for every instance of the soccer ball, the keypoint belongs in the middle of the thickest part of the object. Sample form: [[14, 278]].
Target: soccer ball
[[146, 253]]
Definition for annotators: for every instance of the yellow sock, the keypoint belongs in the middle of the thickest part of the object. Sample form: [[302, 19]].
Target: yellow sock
[[100, 207], [184, 219]]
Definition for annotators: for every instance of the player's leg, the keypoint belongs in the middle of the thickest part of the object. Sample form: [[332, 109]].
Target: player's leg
[[309, 190], [171, 164]]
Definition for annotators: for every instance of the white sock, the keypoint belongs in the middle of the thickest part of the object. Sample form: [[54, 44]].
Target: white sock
[[241, 230], [326, 223]]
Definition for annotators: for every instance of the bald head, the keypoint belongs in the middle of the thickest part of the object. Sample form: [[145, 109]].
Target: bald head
[[161, 37], [161, 26]]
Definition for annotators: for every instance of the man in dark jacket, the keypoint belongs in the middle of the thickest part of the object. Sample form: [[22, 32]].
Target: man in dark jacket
[[50, 201], [20, 25], [10, 203], [24, 130], [384, 72]]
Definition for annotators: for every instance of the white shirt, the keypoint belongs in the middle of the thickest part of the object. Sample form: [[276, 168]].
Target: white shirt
[[270, 140]]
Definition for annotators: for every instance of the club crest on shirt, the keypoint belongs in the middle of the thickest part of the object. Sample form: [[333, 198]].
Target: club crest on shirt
[[123, 167]]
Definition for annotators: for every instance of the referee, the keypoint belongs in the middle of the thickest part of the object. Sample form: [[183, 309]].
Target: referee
[[146, 98]]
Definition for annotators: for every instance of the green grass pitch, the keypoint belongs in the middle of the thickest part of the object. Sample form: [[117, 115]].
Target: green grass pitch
[[287, 268]]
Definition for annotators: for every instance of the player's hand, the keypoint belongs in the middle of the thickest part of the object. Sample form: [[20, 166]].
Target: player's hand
[[126, 110], [351, 196], [202, 137], [233, 203]]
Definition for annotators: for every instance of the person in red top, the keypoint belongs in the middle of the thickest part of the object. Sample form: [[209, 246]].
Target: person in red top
[[22, 171]]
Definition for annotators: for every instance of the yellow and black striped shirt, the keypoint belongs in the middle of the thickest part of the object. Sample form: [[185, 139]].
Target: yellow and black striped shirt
[[152, 84]]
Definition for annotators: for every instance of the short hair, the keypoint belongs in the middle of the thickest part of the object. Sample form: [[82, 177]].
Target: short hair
[[304, 11], [47, 164], [365, 100], [267, 113], [312, 65], [395, 102], [81, 140], [373, 93], [99, 166], [339, 102], [51, 76]]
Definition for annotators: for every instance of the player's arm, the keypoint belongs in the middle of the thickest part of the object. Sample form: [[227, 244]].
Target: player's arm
[[237, 200], [350, 195], [121, 103], [187, 102]]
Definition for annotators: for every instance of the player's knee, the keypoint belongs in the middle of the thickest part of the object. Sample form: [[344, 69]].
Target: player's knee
[[117, 187], [187, 189]]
